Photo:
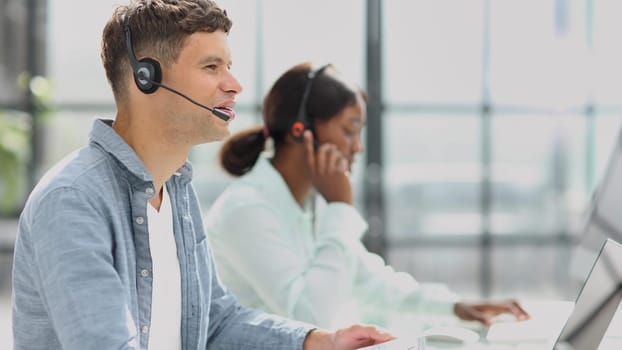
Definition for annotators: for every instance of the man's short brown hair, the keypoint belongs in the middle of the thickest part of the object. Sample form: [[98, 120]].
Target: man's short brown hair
[[159, 30]]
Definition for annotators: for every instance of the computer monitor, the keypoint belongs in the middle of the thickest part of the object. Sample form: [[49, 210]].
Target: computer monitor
[[597, 302], [602, 218]]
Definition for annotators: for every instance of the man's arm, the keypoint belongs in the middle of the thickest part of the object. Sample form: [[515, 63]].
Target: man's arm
[[349, 338], [67, 253]]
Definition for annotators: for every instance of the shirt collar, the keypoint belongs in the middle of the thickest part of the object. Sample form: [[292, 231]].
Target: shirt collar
[[266, 177], [103, 135]]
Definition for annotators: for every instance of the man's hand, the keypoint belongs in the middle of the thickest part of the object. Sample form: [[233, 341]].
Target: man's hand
[[329, 171], [350, 338], [487, 312]]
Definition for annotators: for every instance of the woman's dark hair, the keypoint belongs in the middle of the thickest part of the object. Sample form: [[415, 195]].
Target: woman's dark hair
[[328, 96]]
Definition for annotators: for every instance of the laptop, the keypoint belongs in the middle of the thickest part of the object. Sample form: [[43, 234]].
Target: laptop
[[602, 217], [585, 328], [564, 325], [597, 303]]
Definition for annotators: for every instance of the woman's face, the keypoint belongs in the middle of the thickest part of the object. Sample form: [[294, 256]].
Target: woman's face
[[344, 130]]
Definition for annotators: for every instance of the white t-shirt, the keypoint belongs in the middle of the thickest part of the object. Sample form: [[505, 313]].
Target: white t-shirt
[[165, 327]]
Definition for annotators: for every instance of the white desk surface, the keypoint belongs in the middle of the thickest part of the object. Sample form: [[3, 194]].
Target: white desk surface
[[538, 333]]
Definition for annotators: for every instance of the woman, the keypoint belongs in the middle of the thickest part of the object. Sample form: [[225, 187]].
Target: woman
[[275, 250]]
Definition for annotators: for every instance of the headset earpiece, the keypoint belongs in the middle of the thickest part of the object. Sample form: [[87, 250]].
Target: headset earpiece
[[148, 72], [297, 129], [302, 121]]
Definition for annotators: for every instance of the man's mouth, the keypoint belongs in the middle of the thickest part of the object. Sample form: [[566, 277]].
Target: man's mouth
[[227, 110]]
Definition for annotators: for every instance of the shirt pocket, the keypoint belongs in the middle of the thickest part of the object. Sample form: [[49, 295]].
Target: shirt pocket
[[200, 240]]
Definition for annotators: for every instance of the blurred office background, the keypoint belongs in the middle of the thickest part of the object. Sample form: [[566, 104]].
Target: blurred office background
[[490, 122]]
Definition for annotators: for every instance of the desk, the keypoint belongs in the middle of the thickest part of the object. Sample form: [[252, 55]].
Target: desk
[[538, 333], [607, 344]]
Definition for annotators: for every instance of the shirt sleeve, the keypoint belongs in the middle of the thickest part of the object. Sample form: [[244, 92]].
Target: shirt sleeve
[[233, 326], [377, 286], [381, 287], [258, 244], [68, 256]]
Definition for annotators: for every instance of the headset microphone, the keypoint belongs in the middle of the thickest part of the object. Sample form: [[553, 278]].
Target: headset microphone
[[148, 74], [222, 115]]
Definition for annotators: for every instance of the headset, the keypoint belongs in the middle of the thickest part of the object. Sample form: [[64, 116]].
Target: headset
[[148, 74], [302, 121]]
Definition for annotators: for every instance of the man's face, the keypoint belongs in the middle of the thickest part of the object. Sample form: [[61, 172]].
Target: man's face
[[202, 72], [344, 130]]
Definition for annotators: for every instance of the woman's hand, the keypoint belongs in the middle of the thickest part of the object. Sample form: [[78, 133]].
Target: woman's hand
[[487, 312], [329, 171]]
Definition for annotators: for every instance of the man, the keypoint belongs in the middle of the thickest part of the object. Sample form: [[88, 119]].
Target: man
[[111, 252]]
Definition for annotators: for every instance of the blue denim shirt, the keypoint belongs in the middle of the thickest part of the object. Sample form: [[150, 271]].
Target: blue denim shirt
[[82, 266]]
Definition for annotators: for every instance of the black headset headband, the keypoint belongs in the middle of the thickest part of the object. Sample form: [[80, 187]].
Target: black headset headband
[[147, 71], [302, 121], [148, 74]]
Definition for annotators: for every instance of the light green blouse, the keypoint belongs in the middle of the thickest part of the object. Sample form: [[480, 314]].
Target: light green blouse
[[271, 257]]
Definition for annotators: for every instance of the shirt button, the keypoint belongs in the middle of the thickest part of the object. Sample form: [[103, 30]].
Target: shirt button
[[149, 191], [140, 220], [144, 329], [144, 273]]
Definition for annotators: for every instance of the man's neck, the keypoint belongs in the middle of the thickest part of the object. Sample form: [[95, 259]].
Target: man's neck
[[161, 158]]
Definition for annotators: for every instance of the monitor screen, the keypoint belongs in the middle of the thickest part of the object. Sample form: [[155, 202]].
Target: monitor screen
[[602, 218], [598, 300]]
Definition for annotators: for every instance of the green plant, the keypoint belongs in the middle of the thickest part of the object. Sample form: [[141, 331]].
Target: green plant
[[14, 159], [15, 142]]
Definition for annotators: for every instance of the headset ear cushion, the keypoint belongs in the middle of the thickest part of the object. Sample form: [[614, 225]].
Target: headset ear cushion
[[297, 129], [148, 72]]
